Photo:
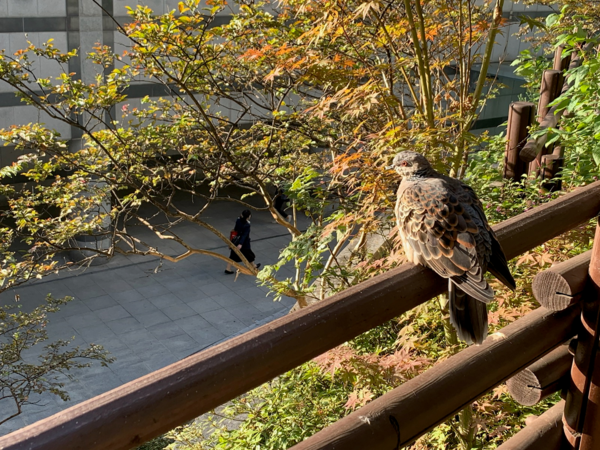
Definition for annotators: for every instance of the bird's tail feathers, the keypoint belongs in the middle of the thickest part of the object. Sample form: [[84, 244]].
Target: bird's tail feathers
[[468, 316], [499, 267], [480, 290]]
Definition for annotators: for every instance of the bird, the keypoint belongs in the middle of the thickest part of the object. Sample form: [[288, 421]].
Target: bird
[[442, 226]]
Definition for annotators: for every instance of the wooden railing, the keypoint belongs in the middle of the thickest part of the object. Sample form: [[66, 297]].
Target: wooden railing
[[147, 407]]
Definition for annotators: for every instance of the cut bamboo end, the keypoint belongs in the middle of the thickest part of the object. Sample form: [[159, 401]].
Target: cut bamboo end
[[562, 285]]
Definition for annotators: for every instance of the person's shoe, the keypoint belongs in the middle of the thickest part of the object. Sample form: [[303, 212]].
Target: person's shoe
[[258, 266], [229, 272]]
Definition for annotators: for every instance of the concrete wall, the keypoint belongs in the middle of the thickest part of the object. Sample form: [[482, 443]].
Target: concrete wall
[[81, 24]]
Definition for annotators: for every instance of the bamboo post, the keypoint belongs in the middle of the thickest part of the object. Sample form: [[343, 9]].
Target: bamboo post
[[559, 62], [520, 117], [551, 165], [578, 406], [590, 439], [552, 81]]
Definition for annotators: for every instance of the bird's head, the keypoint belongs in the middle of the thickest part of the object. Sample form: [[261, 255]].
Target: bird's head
[[408, 164]]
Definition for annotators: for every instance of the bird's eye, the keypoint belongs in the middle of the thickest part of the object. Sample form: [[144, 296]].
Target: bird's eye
[[404, 164]]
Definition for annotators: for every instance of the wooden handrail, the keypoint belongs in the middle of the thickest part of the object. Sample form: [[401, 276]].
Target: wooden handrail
[[399, 417], [544, 433], [151, 405]]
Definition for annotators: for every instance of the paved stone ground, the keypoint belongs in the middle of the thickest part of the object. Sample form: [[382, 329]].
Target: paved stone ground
[[149, 315]]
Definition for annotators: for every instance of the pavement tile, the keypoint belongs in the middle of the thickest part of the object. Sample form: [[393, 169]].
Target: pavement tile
[[132, 372], [251, 292], [158, 362], [206, 337], [95, 334], [140, 307], [100, 383], [190, 295], [204, 278], [242, 283], [15, 423], [104, 301], [215, 289], [165, 330], [112, 313], [143, 282], [204, 305], [146, 349], [113, 344], [152, 290], [248, 314], [219, 316], [73, 308], [174, 285], [77, 283], [77, 393], [229, 300], [35, 414], [230, 328], [132, 272], [116, 285], [165, 301], [175, 312], [181, 344], [59, 328], [58, 289], [167, 274], [267, 304], [191, 323], [130, 295], [90, 291], [131, 338], [152, 318], [80, 321], [125, 325]]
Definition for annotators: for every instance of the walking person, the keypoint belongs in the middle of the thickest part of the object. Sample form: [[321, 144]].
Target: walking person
[[242, 227], [279, 203]]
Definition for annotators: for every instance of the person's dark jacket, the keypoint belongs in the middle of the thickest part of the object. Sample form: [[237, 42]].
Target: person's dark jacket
[[242, 226], [280, 203]]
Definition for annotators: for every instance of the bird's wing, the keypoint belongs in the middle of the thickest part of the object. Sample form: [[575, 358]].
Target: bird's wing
[[497, 264], [438, 232]]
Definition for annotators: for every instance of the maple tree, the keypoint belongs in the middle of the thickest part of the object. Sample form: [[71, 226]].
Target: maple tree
[[314, 98]]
